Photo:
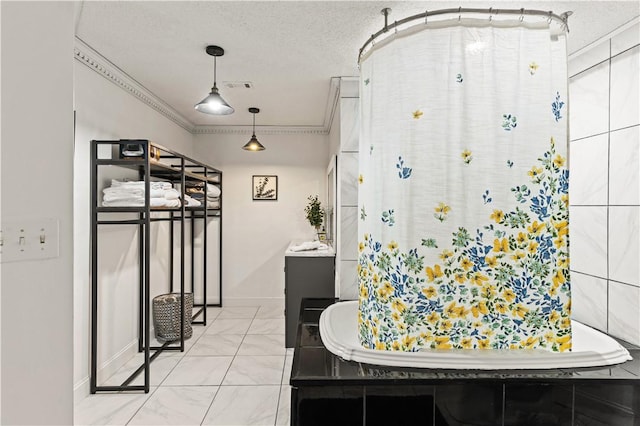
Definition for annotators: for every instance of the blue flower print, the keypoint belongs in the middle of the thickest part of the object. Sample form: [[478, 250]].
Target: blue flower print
[[556, 106], [388, 217], [403, 172], [509, 122]]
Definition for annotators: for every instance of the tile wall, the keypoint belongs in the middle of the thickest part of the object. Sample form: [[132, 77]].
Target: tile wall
[[604, 160]]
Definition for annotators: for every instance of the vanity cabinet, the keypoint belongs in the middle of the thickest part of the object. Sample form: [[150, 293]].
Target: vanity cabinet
[[309, 274]]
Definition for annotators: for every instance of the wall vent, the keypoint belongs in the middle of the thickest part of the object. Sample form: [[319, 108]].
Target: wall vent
[[237, 84]]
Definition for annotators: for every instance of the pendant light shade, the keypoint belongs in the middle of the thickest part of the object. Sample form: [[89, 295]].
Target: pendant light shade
[[253, 144], [214, 103]]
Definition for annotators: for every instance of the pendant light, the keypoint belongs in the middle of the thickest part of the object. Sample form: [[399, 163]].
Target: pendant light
[[214, 103], [253, 144]]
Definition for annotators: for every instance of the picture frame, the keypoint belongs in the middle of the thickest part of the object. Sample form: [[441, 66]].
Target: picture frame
[[264, 187]]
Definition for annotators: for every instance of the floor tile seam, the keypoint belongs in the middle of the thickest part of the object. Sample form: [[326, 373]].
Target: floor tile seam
[[206, 413], [142, 405]]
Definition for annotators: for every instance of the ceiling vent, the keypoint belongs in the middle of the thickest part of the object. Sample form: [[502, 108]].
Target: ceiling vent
[[238, 84]]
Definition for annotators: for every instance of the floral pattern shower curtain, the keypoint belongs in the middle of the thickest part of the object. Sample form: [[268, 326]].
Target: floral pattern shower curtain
[[463, 189]]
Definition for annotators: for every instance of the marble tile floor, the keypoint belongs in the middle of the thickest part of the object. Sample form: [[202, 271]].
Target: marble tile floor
[[234, 371]]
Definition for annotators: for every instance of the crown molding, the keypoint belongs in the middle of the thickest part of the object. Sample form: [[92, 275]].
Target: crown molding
[[86, 55], [261, 130], [91, 58]]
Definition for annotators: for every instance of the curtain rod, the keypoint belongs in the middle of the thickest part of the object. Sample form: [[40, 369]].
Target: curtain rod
[[563, 18]]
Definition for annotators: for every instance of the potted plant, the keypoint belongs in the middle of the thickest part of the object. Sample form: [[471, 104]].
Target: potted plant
[[315, 213]]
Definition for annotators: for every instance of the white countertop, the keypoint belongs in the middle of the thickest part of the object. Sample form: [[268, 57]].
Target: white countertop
[[330, 252]]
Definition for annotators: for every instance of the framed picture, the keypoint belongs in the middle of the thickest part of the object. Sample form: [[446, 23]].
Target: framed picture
[[265, 187]]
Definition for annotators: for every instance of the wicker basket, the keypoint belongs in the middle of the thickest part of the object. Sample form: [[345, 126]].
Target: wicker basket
[[166, 316]]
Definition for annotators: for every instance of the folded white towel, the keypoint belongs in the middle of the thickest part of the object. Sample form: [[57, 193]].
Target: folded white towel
[[139, 184], [190, 202], [163, 202], [309, 245], [122, 196], [171, 194], [213, 191], [213, 204], [124, 203]]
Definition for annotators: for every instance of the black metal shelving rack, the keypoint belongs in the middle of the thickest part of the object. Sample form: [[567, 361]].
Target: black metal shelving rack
[[163, 164]]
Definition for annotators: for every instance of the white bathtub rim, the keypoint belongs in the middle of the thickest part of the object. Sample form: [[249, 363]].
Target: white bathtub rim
[[342, 340]]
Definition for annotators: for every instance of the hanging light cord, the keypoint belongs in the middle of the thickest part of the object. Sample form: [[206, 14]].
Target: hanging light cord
[[214, 73], [254, 125]]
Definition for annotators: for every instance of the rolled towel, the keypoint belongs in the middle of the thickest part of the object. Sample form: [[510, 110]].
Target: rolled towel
[[163, 202], [171, 194], [213, 191], [190, 202], [309, 245]]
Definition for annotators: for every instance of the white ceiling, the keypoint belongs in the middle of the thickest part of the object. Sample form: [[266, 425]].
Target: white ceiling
[[289, 50]]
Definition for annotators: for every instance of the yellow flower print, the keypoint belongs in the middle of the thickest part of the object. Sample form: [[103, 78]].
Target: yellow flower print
[[466, 264], [364, 292], [360, 179], [366, 237], [519, 310], [358, 268], [451, 310], [488, 291], [491, 261], [501, 307], [563, 262], [517, 256], [533, 67], [380, 346], [395, 345], [509, 295], [483, 344], [392, 245], [429, 292], [466, 156], [417, 114], [385, 291], [501, 246], [558, 278], [479, 308], [360, 246], [497, 216], [408, 341], [376, 279], [553, 291], [433, 317], [402, 327], [487, 332], [441, 211], [550, 337], [565, 323], [533, 247], [565, 342], [446, 325], [535, 174], [558, 242], [445, 255], [462, 311], [442, 342], [398, 305], [562, 227], [374, 331], [477, 324], [565, 199], [395, 316], [466, 343], [554, 316], [521, 238], [529, 343], [478, 278], [460, 277], [535, 227], [433, 273], [558, 161]]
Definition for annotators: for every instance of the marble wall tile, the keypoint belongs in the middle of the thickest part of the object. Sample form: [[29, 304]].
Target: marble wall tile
[[588, 171], [244, 405], [348, 175], [624, 312], [348, 280], [591, 57], [589, 94], [589, 300], [624, 242], [588, 240], [349, 233], [625, 89], [624, 167], [626, 39], [349, 124], [186, 405]]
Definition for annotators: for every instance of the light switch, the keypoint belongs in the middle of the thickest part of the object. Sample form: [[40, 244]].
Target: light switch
[[29, 239]]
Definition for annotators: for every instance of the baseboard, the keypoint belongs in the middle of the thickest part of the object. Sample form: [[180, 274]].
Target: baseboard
[[253, 301], [82, 388]]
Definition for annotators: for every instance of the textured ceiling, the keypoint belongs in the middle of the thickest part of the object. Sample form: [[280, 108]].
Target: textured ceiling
[[289, 50]]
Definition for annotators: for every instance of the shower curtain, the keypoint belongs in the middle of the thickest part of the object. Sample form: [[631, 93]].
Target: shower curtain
[[463, 189]]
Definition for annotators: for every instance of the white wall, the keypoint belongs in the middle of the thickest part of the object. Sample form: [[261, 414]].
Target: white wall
[[37, 167], [105, 111], [256, 233], [605, 183]]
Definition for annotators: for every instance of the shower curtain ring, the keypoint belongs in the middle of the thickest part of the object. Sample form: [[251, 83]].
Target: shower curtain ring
[[395, 25], [490, 13], [522, 14], [426, 16], [459, 13], [550, 14]]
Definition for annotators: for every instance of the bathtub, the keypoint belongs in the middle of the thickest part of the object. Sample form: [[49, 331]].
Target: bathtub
[[591, 348]]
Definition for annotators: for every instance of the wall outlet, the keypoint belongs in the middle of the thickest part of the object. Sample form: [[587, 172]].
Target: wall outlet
[[29, 239]]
